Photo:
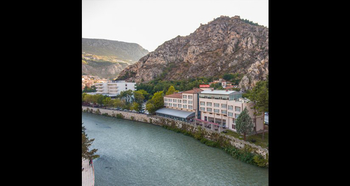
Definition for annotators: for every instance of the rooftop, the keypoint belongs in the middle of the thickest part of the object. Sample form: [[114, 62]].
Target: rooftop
[[176, 113], [193, 91], [220, 92], [175, 95]]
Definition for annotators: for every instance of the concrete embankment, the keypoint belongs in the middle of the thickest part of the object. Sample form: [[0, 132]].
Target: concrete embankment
[[88, 174], [191, 127]]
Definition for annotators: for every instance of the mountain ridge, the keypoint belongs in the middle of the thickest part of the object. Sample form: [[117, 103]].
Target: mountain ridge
[[107, 58], [223, 45]]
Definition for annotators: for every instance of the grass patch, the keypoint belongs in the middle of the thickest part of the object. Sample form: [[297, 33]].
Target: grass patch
[[257, 137]]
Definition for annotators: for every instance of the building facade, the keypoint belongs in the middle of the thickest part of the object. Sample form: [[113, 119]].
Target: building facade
[[114, 88], [186, 101], [223, 107]]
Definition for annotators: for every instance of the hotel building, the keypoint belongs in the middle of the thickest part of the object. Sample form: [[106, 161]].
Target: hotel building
[[222, 107]]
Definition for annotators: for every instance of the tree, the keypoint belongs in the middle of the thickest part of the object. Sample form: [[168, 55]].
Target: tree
[[155, 103], [139, 97], [244, 124], [228, 77], [98, 98], [86, 143], [107, 101], [150, 107], [126, 95], [118, 103], [135, 106], [171, 90], [259, 95]]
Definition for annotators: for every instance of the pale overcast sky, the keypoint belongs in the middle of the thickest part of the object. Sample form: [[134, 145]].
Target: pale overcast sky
[[152, 22]]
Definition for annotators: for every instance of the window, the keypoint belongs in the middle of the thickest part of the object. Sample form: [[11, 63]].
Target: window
[[202, 103], [223, 112], [184, 101], [190, 107], [184, 106], [216, 110], [233, 126], [165, 104], [190, 102], [170, 100], [170, 104], [175, 105], [179, 100], [233, 120], [202, 108], [216, 104], [179, 105], [209, 104], [230, 114], [223, 105], [236, 116], [238, 109], [190, 97], [209, 109], [230, 107], [174, 100], [184, 96], [165, 99]]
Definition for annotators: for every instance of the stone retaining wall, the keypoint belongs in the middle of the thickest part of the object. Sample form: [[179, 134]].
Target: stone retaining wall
[[157, 120]]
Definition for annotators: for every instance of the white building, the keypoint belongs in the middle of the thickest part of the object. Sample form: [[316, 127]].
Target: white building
[[113, 88]]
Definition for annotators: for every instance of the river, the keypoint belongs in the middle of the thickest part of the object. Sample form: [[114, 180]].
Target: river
[[136, 153]]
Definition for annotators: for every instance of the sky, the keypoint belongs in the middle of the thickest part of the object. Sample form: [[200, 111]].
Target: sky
[[150, 23]]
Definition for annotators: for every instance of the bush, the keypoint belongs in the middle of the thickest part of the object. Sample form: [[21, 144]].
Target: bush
[[260, 161], [105, 114], [120, 116]]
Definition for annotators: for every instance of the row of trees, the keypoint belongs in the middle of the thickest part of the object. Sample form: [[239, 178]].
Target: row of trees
[[131, 100]]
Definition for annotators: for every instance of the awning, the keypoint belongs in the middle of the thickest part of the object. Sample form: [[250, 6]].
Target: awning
[[175, 113]]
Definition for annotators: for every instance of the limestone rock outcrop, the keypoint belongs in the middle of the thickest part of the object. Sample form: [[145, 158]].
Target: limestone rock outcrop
[[224, 45]]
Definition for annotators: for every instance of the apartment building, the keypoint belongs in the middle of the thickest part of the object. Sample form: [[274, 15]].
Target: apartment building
[[113, 88], [222, 107]]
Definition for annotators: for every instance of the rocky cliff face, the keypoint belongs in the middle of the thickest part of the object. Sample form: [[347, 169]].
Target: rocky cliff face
[[105, 70], [224, 45]]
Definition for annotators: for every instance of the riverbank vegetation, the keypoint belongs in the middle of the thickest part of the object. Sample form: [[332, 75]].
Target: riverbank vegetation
[[246, 154]]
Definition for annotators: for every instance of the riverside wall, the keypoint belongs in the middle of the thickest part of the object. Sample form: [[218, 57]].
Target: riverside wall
[[88, 173], [157, 120]]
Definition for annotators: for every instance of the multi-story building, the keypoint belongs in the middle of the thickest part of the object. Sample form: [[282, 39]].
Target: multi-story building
[[182, 105], [222, 107], [213, 108], [113, 88]]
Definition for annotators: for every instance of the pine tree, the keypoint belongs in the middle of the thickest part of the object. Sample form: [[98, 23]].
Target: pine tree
[[86, 143], [244, 124]]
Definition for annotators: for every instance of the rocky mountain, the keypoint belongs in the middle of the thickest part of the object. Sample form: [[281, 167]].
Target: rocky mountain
[[224, 45], [107, 58]]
